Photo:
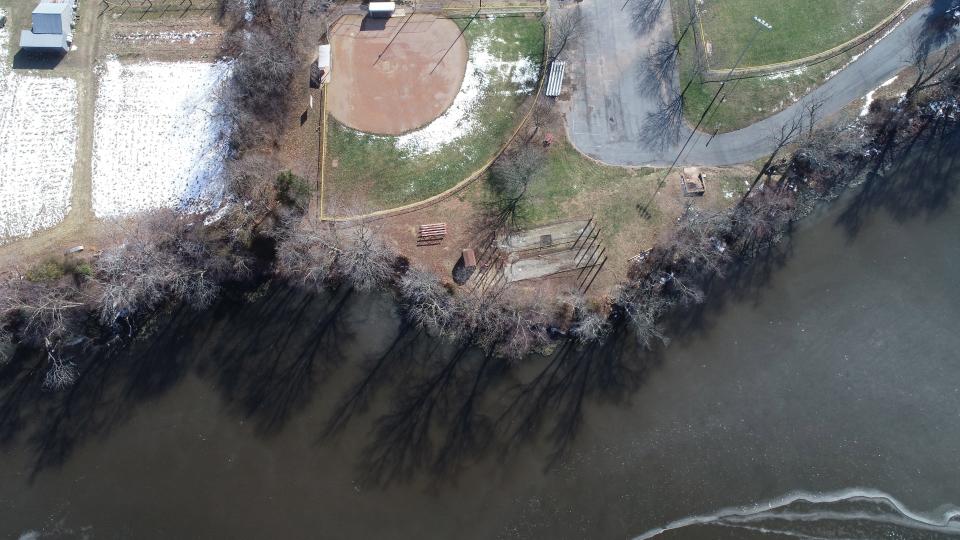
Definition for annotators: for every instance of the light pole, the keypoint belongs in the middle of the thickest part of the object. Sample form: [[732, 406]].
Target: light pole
[[761, 24]]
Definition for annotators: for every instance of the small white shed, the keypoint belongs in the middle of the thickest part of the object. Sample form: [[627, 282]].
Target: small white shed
[[381, 9], [323, 62]]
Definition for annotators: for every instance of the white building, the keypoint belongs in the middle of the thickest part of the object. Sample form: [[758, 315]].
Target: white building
[[51, 28]]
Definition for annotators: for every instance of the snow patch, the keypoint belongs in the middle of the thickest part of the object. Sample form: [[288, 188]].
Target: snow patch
[[483, 68], [868, 99], [38, 147], [158, 142], [168, 37], [787, 74]]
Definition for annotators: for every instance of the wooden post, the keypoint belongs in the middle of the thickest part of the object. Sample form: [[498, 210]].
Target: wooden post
[[595, 275], [585, 227], [592, 241]]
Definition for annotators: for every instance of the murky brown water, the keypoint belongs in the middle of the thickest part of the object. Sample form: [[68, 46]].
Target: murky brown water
[[821, 404]]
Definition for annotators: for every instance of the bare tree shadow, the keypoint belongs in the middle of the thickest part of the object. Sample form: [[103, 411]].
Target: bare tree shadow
[[270, 372], [110, 384], [376, 372], [917, 178], [551, 403], [646, 13], [939, 27]]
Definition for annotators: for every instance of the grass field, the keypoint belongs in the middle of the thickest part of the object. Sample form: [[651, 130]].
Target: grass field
[[753, 99], [572, 186], [377, 172], [800, 27]]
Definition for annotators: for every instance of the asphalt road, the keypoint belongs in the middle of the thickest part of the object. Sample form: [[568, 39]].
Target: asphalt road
[[610, 101]]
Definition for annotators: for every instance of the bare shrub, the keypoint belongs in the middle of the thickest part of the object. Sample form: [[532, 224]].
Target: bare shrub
[[60, 373], [589, 325], [327, 253], [164, 257]]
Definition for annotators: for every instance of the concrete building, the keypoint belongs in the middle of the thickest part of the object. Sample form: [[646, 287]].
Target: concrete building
[[51, 28]]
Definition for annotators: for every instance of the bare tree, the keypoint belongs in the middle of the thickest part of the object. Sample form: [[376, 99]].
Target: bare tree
[[590, 325], [367, 259], [325, 253], [426, 302], [811, 109], [60, 373], [163, 257], [543, 115], [46, 311], [510, 177], [523, 331], [565, 26], [310, 254], [644, 307], [760, 219], [48, 314], [258, 97], [787, 133], [933, 69]]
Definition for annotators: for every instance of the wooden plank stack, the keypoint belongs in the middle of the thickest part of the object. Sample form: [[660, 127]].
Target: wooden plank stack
[[431, 234]]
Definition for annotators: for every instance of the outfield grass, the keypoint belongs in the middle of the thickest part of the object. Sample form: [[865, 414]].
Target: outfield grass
[[379, 173], [800, 27]]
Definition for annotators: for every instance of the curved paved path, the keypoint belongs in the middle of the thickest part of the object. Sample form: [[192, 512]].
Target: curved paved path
[[609, 106]]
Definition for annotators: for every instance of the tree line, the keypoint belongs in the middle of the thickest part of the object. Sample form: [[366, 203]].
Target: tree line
[[263, 230]]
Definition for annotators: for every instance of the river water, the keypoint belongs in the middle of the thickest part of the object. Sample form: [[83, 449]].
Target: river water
[[823, 401]]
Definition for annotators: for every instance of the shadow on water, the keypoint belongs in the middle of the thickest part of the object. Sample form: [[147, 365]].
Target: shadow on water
[[433, 407], [922, 185], [268, 365], [265, 368], [939, 27], [458, 405]]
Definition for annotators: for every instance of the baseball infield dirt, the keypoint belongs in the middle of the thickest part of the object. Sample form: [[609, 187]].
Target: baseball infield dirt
[[392, 76]]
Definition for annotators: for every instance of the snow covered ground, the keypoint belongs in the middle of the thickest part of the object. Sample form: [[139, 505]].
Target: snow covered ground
[[38, 146], [157, 139]]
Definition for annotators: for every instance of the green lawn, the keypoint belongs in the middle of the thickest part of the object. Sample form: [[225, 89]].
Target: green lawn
[[571, 185], [753, 99], [383, 172], [800, 27]]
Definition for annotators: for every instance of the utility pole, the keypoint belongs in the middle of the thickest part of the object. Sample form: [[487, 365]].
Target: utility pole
[[710, 109]]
